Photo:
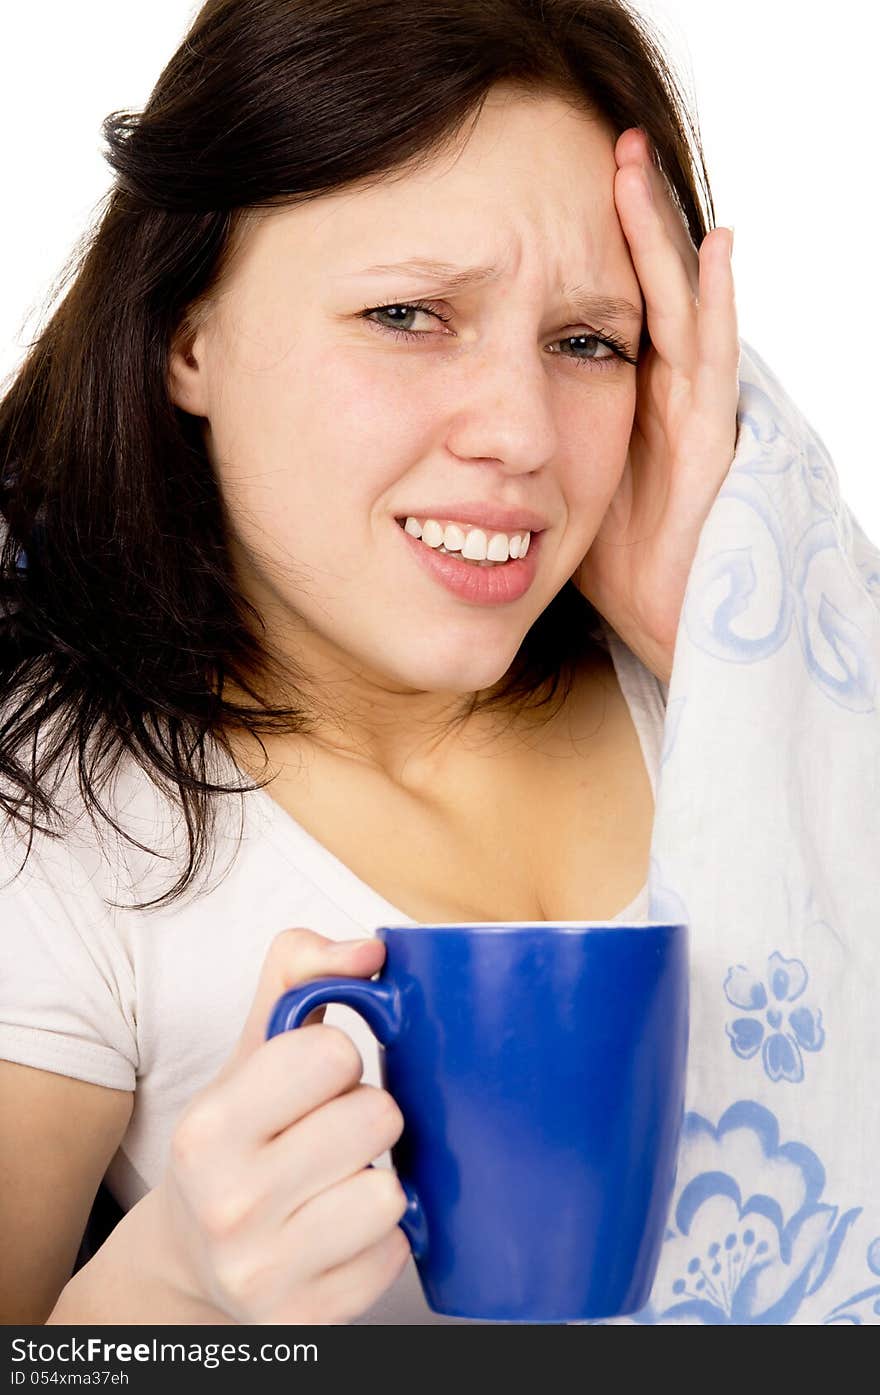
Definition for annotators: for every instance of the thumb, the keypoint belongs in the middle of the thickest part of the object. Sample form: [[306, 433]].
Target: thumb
[[298, 956]]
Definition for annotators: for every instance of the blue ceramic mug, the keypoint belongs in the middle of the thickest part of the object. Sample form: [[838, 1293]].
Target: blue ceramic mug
[[540, 1070]]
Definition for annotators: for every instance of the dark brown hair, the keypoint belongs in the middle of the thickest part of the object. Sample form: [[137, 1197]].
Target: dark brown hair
[[120, 619]]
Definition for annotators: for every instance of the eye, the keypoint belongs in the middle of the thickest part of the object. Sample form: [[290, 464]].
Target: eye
[[409, 309], [617, 350]]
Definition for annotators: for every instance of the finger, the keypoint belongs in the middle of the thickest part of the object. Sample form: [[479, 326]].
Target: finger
[[331, 1143], [296, 956], [634, 148], [669, 299], [345, 1219], [716, 381], [351, 1289], [291, 1075]]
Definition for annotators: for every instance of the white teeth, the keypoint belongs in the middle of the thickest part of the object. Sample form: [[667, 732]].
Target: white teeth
[[474, 544], [452, 537], [498, 549]]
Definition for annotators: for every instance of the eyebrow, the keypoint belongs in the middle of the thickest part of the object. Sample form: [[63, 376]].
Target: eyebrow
[[587, 304]]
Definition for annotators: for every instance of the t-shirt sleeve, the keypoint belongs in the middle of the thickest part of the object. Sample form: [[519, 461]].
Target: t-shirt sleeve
[[67, 988]]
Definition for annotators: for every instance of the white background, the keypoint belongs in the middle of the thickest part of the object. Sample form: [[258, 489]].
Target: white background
[[786, 100]]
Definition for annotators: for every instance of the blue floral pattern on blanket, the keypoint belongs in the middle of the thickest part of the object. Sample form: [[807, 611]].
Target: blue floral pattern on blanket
[[864, 1306], [781, 573], [786, 1035], [751, 1238], [774, 699]]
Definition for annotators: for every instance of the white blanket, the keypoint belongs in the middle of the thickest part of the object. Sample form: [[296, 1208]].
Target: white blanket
[[767, 842]]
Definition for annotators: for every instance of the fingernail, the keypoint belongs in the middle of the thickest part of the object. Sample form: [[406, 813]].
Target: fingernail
[[731, 243], [345, 946]]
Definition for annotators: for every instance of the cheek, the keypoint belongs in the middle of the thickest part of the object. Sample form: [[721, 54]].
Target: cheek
[[366, 426], [327, 436], [371, 398], [597, 440]]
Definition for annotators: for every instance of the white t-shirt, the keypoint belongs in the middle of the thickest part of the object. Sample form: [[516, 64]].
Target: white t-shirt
[[154, 1001]]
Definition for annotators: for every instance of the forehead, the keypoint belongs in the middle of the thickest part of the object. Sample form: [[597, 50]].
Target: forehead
[[520, 141], [532, 177]]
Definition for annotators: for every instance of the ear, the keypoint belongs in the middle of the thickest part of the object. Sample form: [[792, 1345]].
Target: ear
[[187, 376]]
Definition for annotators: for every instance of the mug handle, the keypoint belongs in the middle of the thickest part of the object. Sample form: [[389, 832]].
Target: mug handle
[[380, 1006]]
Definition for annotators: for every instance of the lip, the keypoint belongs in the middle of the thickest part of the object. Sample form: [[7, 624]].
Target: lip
[[485, 586], [502, 520]]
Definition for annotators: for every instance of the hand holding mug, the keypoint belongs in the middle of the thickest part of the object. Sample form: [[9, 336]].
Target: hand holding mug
[[269, 1202]]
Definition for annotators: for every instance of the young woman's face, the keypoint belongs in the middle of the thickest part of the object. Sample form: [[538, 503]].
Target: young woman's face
[[325, 426]]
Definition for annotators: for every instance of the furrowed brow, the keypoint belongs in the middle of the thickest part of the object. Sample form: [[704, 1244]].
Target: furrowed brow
[[585, 304], [602, 307]]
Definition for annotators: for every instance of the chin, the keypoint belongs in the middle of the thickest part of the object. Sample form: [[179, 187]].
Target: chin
[[457, 679]]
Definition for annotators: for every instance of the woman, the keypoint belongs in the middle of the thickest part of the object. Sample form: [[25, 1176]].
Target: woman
[[375, 434]]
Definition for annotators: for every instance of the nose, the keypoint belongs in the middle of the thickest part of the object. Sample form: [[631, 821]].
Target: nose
[[505, 410]]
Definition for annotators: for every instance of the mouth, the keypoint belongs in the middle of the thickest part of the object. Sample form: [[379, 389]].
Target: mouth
[[478, 581], [443, 551]]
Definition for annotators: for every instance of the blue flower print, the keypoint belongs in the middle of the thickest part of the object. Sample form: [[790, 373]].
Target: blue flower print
[[782, 1043], [749, 1239], [864, 1306]]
